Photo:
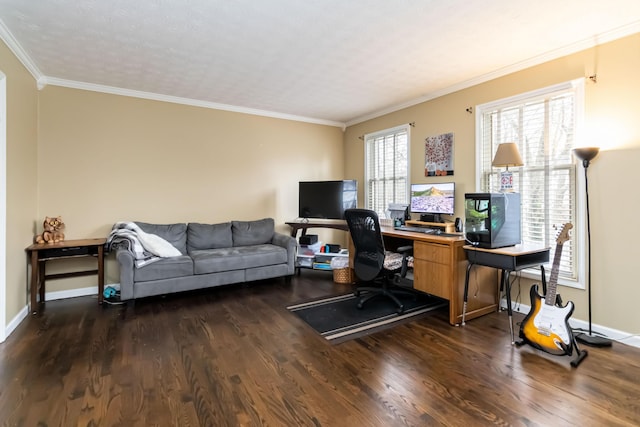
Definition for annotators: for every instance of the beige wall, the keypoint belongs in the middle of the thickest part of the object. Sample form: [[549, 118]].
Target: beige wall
[[21, 176], [103, 158], [611, 110], [106, 158]]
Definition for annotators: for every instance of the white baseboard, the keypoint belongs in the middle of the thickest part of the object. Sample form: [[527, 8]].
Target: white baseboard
[[71, 293], [49, 296], [614, 334], [15, 322]]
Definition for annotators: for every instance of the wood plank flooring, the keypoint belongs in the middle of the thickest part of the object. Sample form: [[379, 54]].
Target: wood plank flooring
[[234, 356]]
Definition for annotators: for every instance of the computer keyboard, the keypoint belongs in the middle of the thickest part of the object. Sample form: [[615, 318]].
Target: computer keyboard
[[424, 230]]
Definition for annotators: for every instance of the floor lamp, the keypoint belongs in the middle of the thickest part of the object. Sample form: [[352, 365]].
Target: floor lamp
[[587, 154]]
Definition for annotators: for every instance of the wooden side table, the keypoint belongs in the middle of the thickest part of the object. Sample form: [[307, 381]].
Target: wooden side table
[[39, 254]]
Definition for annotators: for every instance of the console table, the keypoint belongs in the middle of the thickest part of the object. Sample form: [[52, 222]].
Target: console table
[[39, 254], [304, 225], [509, 259]]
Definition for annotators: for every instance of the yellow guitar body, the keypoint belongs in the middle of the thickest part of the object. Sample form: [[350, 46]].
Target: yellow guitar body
[[546, 326]]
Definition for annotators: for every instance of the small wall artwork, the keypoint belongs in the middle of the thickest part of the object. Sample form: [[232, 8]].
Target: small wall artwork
[[439, 155]]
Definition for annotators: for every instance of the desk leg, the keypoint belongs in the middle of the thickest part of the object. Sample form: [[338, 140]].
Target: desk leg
[[544, 281], [507, 288], [466, 292], [100, 274]]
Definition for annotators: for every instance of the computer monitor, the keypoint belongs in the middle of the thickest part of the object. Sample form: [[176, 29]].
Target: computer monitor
[[326, 199], [433, 200]]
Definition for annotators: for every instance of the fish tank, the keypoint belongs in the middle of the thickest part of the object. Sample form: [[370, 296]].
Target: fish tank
[[493, 220]]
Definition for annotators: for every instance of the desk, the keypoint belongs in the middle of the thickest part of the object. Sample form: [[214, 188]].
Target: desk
[[304, 225], [438, 269], [39, 254], [512, 258]]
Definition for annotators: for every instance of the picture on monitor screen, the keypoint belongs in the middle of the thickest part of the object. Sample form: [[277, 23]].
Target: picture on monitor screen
[[433, 198]]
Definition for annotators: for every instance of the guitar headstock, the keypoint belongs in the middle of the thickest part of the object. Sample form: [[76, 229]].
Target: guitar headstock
[[563, 236]]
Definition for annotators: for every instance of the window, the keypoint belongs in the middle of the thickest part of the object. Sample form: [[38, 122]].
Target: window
[[543, 124], [386, 168]]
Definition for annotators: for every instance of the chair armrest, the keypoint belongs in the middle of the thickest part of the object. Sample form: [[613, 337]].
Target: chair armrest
[[405, 249], [126, 262]]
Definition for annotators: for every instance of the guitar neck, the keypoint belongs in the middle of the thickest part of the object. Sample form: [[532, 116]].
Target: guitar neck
[[550, 298]]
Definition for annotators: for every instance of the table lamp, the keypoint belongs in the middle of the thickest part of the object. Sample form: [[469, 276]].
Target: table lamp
[[507, 155]]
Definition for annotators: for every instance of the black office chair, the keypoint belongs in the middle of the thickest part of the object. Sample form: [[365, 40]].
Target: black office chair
[[371, 263]]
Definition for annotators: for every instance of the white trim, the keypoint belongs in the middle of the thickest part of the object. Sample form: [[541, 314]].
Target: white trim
[[404, 127], [49, 296], [596, 40], [16, 321], [577, 85], [622, 337], [44, 81], [3, 206], [72, 293], [17, 50]]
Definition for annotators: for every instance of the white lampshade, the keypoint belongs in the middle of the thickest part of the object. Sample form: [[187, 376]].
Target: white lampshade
[[507, 155]]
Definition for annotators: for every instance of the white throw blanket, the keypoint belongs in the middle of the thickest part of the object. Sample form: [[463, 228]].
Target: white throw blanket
[[145, 247]]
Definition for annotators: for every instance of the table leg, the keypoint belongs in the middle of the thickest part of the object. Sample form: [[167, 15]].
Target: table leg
[[100, 274], [35, 275], [466, 292], [43, 277], [544, 280], [507, 288]]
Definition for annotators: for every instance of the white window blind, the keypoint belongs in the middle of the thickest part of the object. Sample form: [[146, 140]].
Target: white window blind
[[543, 125], [386, 168]]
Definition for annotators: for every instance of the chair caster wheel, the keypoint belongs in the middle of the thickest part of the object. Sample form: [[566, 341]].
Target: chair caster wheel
[[400, 309], [359, 305]]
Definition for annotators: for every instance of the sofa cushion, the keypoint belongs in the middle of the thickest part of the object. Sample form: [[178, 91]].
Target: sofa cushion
[[208, 236], [165, 268], [239, 257], [176, 234], [252, 232]]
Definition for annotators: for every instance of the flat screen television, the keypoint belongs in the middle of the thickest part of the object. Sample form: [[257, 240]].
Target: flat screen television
[[327, 199], [433, 200]]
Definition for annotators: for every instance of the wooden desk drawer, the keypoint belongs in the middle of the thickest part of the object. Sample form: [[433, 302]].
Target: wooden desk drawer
[[64, 252], [432, 278], [433, 252]]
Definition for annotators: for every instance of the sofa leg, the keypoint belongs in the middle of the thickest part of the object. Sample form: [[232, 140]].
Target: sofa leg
[[287, 279]]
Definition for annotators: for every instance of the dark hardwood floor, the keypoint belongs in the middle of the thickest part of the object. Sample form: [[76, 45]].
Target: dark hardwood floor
[[235, 356]]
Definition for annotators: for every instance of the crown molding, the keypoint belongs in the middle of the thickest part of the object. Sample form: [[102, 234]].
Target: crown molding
[[596, 40], [14, 46], [179, 100]]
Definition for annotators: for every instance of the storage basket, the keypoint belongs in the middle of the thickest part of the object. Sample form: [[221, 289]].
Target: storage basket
[[342, 275]]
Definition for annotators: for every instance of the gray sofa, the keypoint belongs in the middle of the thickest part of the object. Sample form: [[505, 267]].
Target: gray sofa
[[212, 255]]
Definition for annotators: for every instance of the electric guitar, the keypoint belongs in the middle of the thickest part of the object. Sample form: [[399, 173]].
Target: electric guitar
[[546, 327]]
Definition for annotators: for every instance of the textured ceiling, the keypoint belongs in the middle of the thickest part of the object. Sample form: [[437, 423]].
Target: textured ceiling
[[331, 61]]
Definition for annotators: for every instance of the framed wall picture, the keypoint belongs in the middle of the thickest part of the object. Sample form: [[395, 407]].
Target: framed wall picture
[[438, 155]]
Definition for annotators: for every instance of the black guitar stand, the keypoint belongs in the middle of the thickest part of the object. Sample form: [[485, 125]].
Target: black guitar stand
[[580, 354]]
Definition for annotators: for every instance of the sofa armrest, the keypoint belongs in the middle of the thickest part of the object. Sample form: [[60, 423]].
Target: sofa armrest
[[290, 244], [126, 262]]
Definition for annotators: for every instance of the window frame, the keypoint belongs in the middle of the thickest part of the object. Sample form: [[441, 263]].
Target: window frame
[[579, 222], [368, 138]]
